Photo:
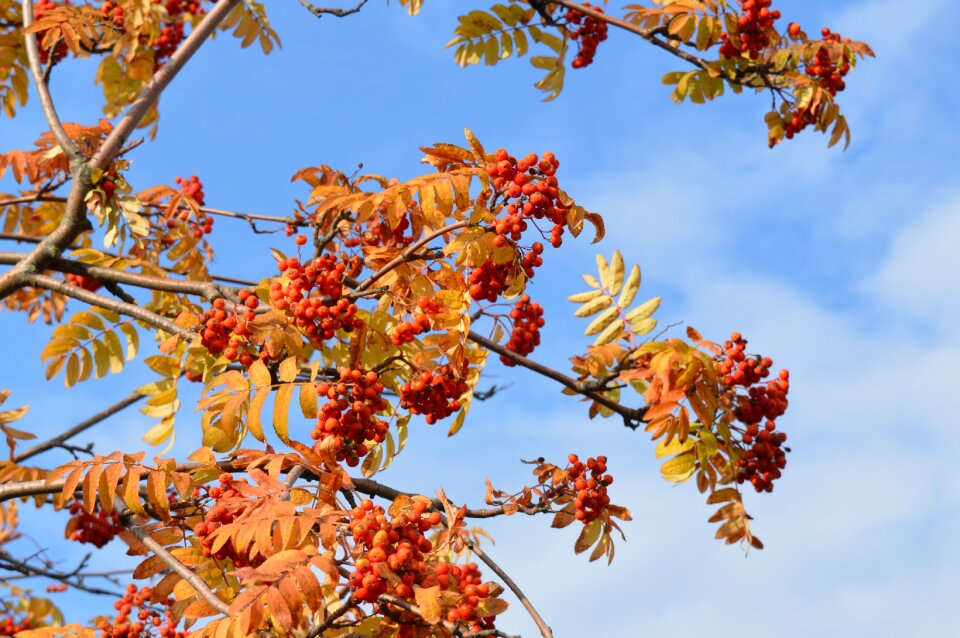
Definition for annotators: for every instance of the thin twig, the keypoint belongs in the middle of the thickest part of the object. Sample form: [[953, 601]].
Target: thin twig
[[544, 628], [337, 13], [84, 425]]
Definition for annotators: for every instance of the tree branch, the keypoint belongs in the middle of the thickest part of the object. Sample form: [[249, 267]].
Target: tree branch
[[631, 416], [86, 424], [126, 519], [207, 290], [544, 628], [408, 253], [338, 13], [121, 307], [69, 578], [43, 90], [151, 92]]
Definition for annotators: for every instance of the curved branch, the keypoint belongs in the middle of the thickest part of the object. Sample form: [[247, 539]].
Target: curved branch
[[544, 628], [68, 578], [43, 90]]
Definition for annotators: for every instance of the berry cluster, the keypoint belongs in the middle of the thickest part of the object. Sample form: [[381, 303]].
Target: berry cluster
[[529, 190], [755, 25], [192, 188], [762, 463], [488, 280], [97, 528], [764, 458], [314, 296], [88, 284], [589, 33], [467, 581], [825, 69], [406, 331], [737, 368], [527, 320], [229, 331], [113, 12], [764, 402], [348, 417], [434, 393], [60, 51], [224, 512], [149, 622], [591, 483], [398, 543], [10, 625]]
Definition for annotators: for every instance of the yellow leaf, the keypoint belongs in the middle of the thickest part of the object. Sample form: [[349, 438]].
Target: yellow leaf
[[679, 468], [602, 321], [281, 409], [594, 306], [616, 272], [630, 288]]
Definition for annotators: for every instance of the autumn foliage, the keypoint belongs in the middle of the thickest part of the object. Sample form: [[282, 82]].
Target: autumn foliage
[[387, 301]]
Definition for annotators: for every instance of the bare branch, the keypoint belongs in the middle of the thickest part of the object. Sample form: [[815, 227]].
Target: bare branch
[[84, 425], [631, 416], [337, 13], [544, 628], [72, 579]]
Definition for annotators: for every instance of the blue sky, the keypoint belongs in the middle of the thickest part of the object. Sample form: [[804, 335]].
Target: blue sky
[[838, 265]]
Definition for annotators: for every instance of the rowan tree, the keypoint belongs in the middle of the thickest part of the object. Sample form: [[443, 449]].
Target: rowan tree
[[387, 300]]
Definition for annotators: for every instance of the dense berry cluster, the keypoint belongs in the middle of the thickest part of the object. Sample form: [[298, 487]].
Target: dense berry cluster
[[467, 581], [829, 74], [825, 69], [10, 625], [149, 623], [527, 320], [91, 285], [755, 26], [737, 368], [588, 32], [349, 416], [97, 528], [529, 190], [488, 280], [226, 331], [764, 458], [763, 461], [112, 12], [590, 482], [203, 224], [406, 331], [60, 50], [313, 294], [434, 393], [228, 505], [398, 543]]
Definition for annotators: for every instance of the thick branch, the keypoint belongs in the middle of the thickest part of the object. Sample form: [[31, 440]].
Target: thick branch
[[151, 92]]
